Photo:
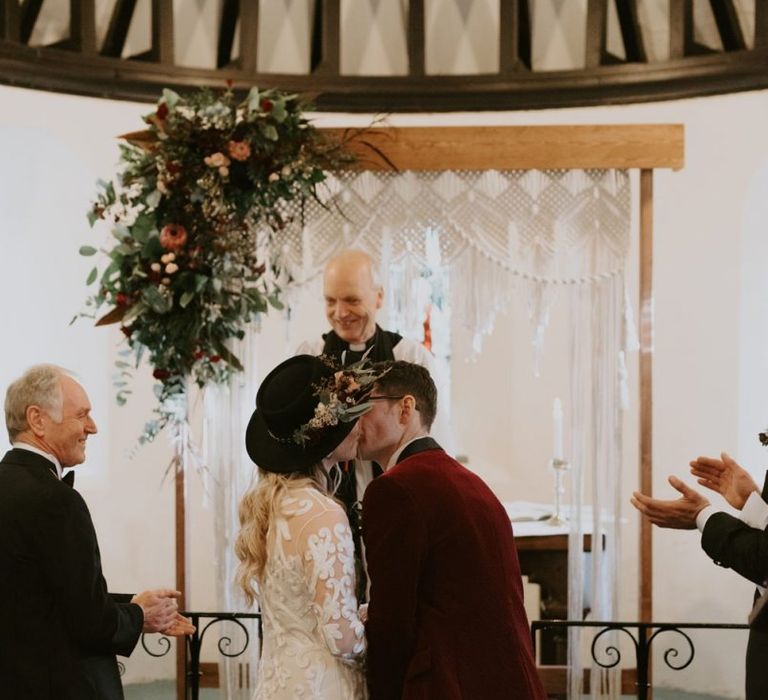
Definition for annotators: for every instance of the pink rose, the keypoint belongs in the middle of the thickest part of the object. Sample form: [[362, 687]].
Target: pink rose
[[173, 236], [239, 150]]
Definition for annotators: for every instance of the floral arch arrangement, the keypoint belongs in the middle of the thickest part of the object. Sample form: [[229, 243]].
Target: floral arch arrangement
[[192, 209]]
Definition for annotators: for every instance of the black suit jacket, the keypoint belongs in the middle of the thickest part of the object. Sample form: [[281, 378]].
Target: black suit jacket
[[59, 627], [734, 544]]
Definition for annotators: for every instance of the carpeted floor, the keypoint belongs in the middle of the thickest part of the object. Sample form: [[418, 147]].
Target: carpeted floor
[[165, 690]]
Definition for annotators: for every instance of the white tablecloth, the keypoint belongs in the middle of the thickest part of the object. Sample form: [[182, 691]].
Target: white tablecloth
[[529, 519]]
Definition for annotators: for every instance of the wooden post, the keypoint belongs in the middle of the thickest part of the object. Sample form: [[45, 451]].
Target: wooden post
[[182, 561], [646, 388], [645, 613]]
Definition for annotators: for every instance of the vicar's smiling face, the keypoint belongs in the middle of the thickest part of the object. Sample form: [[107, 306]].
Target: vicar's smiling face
[[352, 297], [66, 438]]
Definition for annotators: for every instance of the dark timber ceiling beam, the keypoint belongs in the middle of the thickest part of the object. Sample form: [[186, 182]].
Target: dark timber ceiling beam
[[230, 12], [761, 24], [79, 65], [415, 37], [117, 32], [597, 22], [249, 37], [162, 32], [728, 24], [680, 28], [514, 36], [30, 10], [82, 26], [10, 20], [631, 33], [325, 52]]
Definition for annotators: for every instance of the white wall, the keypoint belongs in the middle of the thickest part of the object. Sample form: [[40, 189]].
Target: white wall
[[710, 355]]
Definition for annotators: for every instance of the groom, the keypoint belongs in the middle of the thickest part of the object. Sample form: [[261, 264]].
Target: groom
[[446, 617]]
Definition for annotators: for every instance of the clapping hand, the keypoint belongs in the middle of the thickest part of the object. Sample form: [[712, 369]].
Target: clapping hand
[[725, 477], [180, 627], [679, 514], [159, 607]]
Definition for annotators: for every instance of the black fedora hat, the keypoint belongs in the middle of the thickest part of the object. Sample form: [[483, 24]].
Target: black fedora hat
[[286, 402]]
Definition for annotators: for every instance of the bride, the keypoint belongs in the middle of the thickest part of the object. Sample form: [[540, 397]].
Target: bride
[[295, 545]]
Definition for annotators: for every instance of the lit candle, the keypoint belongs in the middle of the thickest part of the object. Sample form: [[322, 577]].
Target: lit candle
[[557, 434]]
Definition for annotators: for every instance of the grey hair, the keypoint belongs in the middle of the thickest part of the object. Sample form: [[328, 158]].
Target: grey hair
[[39, 386]]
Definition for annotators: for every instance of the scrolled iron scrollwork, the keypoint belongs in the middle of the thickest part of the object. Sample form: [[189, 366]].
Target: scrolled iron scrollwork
[[162, 641], [610, 650], [225, 642], [672, 652]]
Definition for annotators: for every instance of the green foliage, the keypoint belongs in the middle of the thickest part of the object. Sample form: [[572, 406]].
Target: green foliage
[[193, 209]]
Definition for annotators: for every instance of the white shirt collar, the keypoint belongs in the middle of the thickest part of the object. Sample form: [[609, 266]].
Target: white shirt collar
[[393, 459], [37, 450]]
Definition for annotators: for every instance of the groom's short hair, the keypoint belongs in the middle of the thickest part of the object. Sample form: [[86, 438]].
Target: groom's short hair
[[409, 378]]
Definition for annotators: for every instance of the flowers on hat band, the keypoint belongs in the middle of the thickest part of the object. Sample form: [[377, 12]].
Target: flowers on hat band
[[341, 398]]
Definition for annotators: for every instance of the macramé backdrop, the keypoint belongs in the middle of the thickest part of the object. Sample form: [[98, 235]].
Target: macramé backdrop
[[466, 242]]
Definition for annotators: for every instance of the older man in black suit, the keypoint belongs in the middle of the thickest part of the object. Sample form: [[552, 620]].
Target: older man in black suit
[[59, 627], [738, 543]]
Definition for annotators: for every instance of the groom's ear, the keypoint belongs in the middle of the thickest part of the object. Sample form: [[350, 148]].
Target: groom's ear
[[407, 408]]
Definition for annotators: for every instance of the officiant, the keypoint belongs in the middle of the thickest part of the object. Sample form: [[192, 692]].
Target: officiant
[[353, 295]]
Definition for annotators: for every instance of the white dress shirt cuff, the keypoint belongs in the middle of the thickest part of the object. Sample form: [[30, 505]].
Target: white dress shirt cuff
[[703, 516], [755, 512]]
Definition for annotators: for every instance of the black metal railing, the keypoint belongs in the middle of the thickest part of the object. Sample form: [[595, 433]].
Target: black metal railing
[[608, 656], [647, 632], [203, 621]]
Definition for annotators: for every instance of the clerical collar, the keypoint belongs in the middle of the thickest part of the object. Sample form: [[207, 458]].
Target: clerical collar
[[357, 347], [37, 450]]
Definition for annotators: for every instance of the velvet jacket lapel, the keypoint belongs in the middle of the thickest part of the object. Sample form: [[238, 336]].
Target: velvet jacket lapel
[[420, 445]]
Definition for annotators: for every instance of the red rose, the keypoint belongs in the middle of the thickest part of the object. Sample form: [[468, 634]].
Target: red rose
[[162, 110], [161, 374], [173, 236], [198, 354], [215, 358], [121, 299], [266, 105], [172, 167]]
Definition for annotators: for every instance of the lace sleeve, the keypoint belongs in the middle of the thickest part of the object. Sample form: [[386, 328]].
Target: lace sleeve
[[329, 559]]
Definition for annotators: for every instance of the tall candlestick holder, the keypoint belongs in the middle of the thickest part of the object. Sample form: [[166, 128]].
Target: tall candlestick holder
[[560, 467]]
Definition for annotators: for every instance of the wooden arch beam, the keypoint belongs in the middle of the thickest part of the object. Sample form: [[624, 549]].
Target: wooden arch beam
[[642, 146]]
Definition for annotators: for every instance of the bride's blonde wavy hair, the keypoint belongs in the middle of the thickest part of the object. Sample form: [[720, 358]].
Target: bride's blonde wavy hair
[[258, 510]]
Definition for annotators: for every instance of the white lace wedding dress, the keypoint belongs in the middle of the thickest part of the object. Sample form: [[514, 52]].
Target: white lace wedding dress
[[313, 637]]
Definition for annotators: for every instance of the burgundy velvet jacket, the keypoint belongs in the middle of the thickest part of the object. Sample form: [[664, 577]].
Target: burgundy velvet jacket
[[446, 617]]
